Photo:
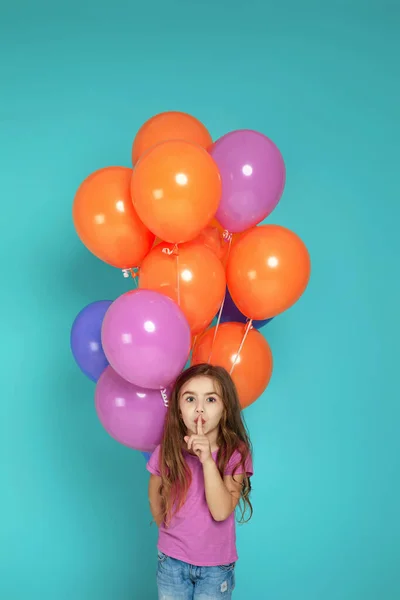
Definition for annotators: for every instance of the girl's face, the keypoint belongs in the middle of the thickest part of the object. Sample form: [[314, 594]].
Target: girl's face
[[200, 398]]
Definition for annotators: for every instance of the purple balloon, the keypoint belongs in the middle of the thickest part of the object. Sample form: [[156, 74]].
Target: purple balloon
[[86, 339], [231, 314], [131, 415], [253, 177], [146, 338]]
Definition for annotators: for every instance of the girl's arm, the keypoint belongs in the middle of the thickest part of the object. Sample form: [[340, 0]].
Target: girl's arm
[[155, 498], [222, 495]]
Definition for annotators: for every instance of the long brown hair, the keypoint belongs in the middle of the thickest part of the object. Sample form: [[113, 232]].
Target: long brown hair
[[175, 473]]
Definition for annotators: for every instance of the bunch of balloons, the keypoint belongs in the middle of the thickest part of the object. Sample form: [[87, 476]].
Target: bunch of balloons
[[184, 222]]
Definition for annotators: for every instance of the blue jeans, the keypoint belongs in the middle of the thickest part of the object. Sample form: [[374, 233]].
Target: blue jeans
[[177, 580]]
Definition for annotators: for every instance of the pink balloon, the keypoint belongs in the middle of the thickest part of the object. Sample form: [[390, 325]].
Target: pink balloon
[[253, 177], [131, 415], [146, 338]]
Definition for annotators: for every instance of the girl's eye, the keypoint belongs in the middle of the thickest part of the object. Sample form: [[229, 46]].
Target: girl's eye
[[211, 399], [190, 399]]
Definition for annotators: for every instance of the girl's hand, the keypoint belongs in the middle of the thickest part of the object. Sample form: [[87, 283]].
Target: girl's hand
[[199, 443]]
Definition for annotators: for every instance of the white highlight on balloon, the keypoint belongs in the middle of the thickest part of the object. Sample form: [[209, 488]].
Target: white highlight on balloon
[[186, 275], [149, 326], [235, 359], [181, 179], [272, 261], [158, 194], [247, 170]]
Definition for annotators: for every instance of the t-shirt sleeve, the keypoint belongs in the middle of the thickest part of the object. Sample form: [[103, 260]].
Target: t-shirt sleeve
[[235, 461], [153, 465]]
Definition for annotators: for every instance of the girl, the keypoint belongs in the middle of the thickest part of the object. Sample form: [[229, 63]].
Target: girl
[[199, 474]]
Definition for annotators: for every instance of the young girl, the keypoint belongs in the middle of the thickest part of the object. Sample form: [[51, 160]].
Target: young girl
[[199, 474]]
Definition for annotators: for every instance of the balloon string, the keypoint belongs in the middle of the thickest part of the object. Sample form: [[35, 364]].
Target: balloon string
[[135, 277], [246, 332], [178, 286], [228, 237]]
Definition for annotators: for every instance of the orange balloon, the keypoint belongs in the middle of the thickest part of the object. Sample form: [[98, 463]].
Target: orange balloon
[[169, 126], [211, 238], [202, 281], [106, 221], [196, 336], [253, 369], [217, 224], [224, 243], [268, 270], [176, 188]]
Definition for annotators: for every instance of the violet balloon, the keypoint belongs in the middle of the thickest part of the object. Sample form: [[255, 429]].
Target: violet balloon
[[131, 415], [231, 313], [86, 339], [253, 178], [146, 338]]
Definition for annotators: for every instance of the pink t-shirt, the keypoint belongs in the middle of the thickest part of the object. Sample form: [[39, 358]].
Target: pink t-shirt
[[193, 536]]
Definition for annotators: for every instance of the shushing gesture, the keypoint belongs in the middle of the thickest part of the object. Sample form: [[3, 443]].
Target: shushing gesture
[[199, 443]]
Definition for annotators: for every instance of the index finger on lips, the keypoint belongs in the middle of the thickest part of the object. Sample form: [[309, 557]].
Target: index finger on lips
[[199, 426]]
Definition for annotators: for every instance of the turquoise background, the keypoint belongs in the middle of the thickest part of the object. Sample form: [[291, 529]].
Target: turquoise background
[[321, 79]]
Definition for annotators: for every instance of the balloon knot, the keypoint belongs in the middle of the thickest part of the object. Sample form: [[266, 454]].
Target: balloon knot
[[164, 397], [226, 235], [134, 273], [171, 252]]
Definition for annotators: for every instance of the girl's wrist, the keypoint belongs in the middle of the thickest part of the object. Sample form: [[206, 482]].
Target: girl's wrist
[[209, 461]]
